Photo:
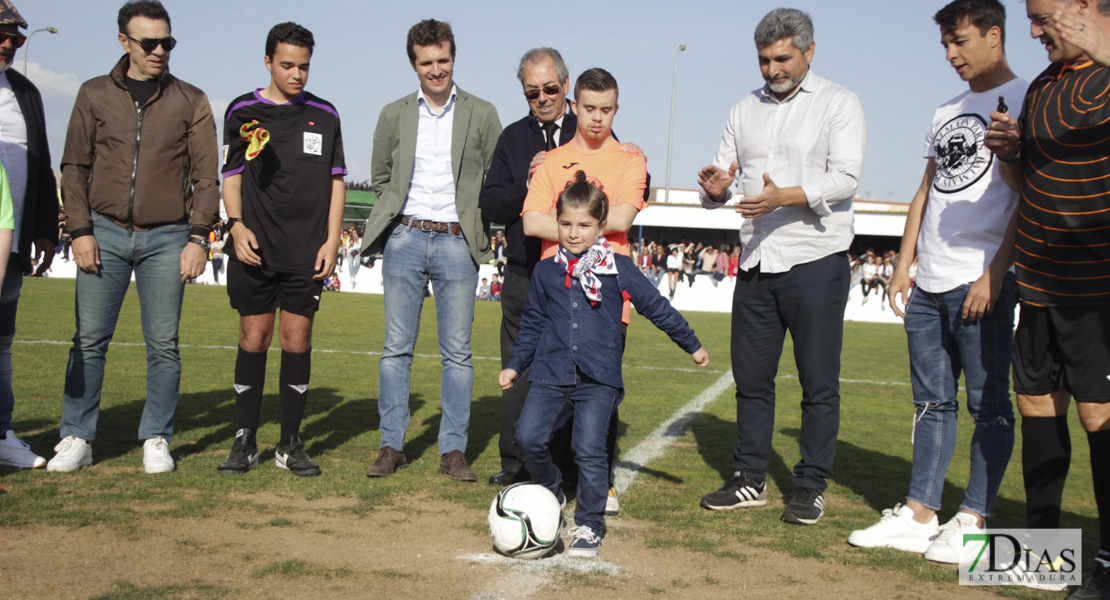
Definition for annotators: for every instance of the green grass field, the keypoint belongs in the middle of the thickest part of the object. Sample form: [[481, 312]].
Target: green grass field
[[341, 431]]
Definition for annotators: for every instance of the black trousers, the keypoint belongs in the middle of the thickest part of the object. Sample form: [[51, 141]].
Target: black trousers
[[514, 289], [808, 301]]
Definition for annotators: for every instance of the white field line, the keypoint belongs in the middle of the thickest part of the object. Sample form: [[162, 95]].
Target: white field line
[[633, 462], [351, 352], [437, 356]]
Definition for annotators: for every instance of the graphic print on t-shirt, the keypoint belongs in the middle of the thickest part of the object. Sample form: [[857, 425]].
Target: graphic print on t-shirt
[[962, 158]]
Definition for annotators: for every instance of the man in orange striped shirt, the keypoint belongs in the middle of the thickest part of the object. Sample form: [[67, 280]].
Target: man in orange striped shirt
[[1059, 147]]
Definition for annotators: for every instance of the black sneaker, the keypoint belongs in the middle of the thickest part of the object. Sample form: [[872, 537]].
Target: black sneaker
[[244, 454], [293, 457], [805, 506], [1096, 587], [739, 492]]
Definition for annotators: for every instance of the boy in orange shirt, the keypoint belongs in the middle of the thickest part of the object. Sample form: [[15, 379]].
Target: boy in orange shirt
[[621, 175]]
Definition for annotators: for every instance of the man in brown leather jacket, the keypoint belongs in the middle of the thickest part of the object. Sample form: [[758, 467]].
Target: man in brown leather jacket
[[145, 206]]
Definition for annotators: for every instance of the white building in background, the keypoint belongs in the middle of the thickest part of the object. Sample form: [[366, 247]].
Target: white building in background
[[877, 223]]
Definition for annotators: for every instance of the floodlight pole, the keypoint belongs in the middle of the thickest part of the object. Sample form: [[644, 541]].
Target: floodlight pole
[[27, 46], [670, 135]]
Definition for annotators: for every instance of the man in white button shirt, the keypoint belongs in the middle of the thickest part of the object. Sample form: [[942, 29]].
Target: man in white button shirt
[[797, 145], [432, 149], [26, 158]]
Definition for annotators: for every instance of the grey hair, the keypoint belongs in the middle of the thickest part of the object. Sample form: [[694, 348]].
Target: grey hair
[[785, 23], [538, 54]]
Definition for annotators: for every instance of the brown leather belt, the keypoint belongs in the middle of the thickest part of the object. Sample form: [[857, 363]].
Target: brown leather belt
[[452, 228]]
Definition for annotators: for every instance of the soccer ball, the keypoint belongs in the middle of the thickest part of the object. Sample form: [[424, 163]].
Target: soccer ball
[[525, 520]]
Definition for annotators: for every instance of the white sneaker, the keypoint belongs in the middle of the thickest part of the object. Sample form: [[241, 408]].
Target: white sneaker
[[948, 547], [16, 453], [156, 456], [72, 454], [1039, 580], [897, 529], [612, 503]]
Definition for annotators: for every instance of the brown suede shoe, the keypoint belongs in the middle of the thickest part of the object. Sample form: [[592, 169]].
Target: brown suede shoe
[[389, 460], [454, 464]]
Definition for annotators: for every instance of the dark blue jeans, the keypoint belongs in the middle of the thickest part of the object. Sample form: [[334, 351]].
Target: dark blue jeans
[[808, 301], [545, 411]]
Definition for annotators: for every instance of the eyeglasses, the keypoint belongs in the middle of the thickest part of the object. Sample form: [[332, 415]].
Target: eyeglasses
[[550, 90], [17, 39], [149, 45]]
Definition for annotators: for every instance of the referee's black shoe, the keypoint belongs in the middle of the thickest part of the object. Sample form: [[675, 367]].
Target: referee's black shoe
[[243, 456], [292, 456]]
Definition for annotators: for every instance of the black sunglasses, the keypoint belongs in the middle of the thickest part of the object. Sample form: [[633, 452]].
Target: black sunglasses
[[149, 45], [16, 38], [550, 90]]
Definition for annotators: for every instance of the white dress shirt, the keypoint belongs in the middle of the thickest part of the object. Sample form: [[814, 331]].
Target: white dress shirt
[[432, 189], [13, 151], [814, 139]]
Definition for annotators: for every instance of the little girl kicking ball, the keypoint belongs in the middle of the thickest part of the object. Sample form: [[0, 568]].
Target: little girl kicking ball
[[570, 336]]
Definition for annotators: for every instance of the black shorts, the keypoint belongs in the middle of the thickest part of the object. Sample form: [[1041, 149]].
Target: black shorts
[[1063, 348], [256, 291]]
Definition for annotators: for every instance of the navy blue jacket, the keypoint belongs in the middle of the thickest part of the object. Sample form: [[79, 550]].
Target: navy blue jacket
[[506, 185], [561, 330], [40, 205]]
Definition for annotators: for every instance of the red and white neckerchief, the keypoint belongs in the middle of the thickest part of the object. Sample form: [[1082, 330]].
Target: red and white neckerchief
[[598, 260]]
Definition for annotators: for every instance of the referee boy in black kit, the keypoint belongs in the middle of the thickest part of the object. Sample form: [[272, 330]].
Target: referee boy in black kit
[[284, 195]]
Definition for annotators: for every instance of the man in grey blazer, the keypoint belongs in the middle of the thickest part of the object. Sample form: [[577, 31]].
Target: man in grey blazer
[[431, 152]]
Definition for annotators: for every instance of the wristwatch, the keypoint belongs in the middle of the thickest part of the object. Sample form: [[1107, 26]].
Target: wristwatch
[[200, 241]]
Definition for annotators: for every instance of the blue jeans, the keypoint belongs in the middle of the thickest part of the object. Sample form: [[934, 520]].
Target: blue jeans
[[412, 258], [9, 301], [353, 264], [546, 411], [154, 256], [942, 344]]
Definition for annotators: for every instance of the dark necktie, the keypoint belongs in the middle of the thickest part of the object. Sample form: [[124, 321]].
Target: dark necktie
[[549, 129]]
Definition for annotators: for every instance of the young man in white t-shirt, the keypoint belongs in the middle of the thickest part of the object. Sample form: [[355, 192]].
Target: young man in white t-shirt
[[960, 316]]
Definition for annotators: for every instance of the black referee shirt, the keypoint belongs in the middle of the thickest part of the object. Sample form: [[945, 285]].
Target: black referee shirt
[[1063, 229], [286, 189]]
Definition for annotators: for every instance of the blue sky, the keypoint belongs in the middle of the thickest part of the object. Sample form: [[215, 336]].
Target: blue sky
[[887, 52]]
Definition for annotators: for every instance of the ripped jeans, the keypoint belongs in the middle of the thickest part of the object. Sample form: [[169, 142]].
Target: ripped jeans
[[942, 344]]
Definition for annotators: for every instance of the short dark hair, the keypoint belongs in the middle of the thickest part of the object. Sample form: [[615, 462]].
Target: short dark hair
[[289, 33], [595, 80], [983, 14], [429, 32], [583, 194], [151, 9]]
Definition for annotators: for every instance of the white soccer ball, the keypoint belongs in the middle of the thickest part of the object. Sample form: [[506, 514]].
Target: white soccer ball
[[525, 521]]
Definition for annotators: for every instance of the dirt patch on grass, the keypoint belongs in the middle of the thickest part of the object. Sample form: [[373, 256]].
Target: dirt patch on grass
[[433, 549]]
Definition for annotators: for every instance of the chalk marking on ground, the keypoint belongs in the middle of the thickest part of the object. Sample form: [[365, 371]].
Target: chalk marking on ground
[[351, 352], [437, 356], [526, 577], [633, 462]]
